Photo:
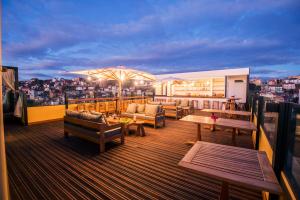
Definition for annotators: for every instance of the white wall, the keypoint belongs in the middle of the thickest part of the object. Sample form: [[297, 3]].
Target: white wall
[[237, 89], [204, 74]]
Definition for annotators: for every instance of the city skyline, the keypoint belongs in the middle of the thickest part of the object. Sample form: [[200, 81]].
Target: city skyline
[[46, 39]]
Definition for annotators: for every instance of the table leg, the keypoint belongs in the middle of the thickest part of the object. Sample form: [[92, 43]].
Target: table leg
[[213, 127], [126, 130], [138, 130], [199, 132], [142, 131], [233, 136], [224, 191]]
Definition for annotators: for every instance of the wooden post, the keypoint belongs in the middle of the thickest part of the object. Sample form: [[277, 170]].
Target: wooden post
[[199, 132], [260, 107], [4, 189], [66, 101]]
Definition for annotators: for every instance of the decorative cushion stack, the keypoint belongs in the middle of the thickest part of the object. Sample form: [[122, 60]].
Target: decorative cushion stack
[[85, 115]]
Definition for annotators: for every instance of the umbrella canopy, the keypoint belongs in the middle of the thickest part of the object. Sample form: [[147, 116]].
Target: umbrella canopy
[[119, 73]]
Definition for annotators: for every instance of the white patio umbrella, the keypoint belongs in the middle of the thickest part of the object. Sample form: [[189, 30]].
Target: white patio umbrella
[[119, 73]]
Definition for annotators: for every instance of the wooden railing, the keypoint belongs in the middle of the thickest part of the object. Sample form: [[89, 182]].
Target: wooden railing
[[277, 125], [108, 105]]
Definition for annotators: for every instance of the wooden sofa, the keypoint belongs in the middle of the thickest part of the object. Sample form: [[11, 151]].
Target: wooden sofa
[[156, 119], [96, 132]]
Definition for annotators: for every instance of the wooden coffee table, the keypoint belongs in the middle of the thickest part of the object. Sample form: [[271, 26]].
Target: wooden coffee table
[[139, 124], [140, 131]]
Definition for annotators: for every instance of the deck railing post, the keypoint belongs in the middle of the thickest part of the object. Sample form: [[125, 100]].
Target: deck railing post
[[285, 114], [280, 146], [66, 101], [260, 107]]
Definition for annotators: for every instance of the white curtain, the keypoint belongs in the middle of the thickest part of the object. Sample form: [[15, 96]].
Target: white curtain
[[9, 78], [19, 107]]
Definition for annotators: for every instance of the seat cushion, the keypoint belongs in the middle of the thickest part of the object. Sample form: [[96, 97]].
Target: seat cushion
[[131, 108], [126, 114], [151, 110], [141, 108]]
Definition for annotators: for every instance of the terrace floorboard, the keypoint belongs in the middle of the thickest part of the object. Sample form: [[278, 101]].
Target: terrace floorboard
[[42, 164]]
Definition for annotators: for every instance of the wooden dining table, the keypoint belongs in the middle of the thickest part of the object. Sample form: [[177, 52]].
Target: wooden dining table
[[229, 112], [232, 165], [227, 123]]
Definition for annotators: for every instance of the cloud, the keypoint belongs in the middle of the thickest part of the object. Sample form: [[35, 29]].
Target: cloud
[[59, 36]]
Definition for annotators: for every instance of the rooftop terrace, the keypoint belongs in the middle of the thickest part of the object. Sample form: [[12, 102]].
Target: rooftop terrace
[[44, 165]]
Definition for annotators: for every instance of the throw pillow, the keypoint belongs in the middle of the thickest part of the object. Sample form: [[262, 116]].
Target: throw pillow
[[91, 117], [141, 108], [131, 108], [177, 102], [103, 117], [151, 109]]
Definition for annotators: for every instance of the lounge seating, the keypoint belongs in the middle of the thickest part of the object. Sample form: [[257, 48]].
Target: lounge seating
[[206, 104], [216, 105], [92, 127], [151, 114], [187, 106], [172, 110]]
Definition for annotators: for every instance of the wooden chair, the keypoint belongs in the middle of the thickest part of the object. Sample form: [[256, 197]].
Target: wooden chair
[[216, 105], [206, 104], [241, 106]]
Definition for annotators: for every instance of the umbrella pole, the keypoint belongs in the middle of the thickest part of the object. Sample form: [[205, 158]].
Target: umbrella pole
[[120, 97]]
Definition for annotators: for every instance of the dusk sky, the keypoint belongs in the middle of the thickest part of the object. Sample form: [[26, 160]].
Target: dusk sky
[[46, 38]]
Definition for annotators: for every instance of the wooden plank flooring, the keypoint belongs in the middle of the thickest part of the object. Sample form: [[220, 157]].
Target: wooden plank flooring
[[42, 164]]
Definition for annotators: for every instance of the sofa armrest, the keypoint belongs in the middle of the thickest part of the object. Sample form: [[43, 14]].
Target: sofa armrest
[[162, 113]]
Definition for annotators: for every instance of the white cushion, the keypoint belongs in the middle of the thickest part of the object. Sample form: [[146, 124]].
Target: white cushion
[[131, 108], [151, 109], [140, 108]]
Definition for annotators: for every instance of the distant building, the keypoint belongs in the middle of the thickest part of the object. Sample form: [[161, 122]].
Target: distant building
[[32, 94], [256, 81], [289, 86]]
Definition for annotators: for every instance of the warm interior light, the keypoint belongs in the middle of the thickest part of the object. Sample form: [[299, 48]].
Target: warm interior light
[[141, 82], [135, 83]]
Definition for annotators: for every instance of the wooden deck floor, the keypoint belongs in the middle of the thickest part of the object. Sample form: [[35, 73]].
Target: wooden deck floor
[[44, 165]]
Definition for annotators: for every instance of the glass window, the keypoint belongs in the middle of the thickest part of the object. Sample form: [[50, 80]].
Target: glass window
[[292, 162]]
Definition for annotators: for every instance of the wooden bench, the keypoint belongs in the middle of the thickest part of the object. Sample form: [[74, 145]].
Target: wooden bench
[[99, 133]]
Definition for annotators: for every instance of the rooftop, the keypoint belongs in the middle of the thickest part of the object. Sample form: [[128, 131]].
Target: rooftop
[[44, 165]]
